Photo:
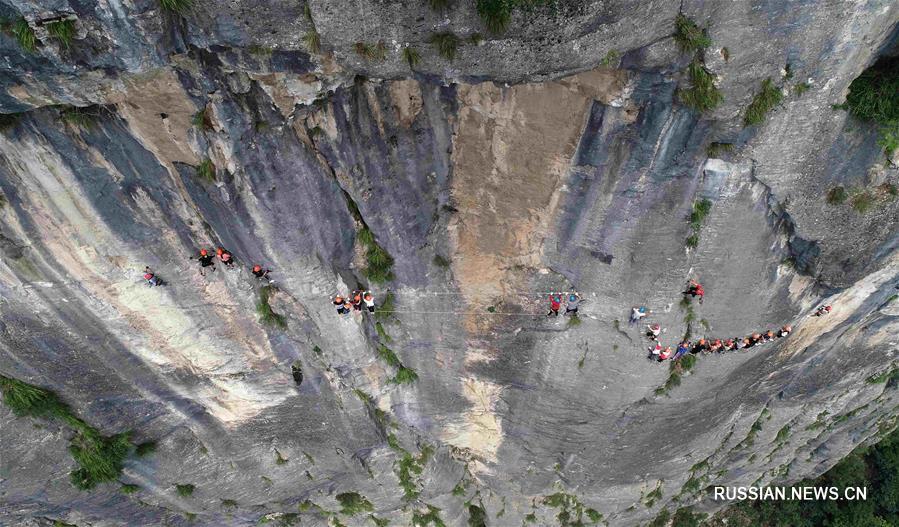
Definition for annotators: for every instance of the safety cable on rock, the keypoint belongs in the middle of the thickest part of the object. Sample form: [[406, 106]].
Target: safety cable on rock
[[461, 313]]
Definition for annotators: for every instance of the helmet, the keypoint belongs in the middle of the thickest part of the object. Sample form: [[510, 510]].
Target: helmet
[[148, 276], [642, 309], [219, 251], [257, 268], [203, 252], [701, 341], [656, 327], [788, 328], [338, 297], [368, 296], [572, 298], [827, 308]]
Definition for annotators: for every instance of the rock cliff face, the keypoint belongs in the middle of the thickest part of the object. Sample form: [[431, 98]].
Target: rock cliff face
[[557, 155]]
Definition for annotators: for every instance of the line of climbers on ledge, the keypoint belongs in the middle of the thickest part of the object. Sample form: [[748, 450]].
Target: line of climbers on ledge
[[208, 260], [703, 345], [354, 302]]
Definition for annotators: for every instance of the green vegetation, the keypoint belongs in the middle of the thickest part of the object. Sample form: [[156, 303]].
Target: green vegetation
[[201, 120], [496, 14], [206, 170], [574, 321], [229, 504], [801, 88], [689, 36], [431, 517], [380, 416], [783, 434], [889, 139], [176, 6], [441, 262], [887, 376], [266, 315], [611, 59], [698, 215], [63, 31], [874, 97], [279, 459], [128, 488], [379, 522], [388, 356], [477, 516], [409, 466], [404, 376], [313, 41], [8, 120], [862, 201], [24, 35], [384, 312], [185, 490], [438, 4], [459, 489], [145, 449], [715, 149], [571, 510], [382, 333], [837, 195], [379, 263], [653, 496], [352, 503], [372, 52], [763, 102], [411, 56], [876, 468], [702, 95], [446, 44], [99, 458], [81, 117]]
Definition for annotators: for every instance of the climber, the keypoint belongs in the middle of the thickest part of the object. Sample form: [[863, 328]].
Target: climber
[[225, 256], [694, 289], [769, 336], [655, 351], [356, 300], [729, 345], [151, 277], [341, 304], [654, 331], [786, 330], [665, 354], [261, 273], [823, 310], [702, 345], [573, 300], [682, 349], [205, 260], [637, 313], [369, 300], [716, 346], [555, 302], [746, 343]]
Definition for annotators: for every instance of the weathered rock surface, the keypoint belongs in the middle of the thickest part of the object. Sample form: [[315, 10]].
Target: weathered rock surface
[[528, 164]]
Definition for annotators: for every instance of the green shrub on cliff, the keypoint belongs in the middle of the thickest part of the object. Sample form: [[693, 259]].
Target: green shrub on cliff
[[689, 36], [446, 44], [99, 458], [763, 102], [63, 31]]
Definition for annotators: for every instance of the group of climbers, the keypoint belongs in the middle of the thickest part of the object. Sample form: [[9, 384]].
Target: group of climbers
[[704, 345], [354, 302], [572, 302], [207, 260]]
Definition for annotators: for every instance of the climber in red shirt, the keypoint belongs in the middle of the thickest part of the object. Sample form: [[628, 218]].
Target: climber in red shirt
[[555, 303], [695, 289]]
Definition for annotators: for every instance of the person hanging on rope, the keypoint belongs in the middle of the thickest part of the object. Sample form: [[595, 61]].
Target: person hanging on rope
[[574, 300], [261, 273], [225, 256], [340, 303], [369, 301], [637, 314], [555, 303], [695, 289], [665, 354], [654, 331], [356, 300], [205, 260], [151, 278], [823, 310]]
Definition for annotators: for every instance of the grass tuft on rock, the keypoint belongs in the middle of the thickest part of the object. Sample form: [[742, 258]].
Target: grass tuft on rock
[[764, 101], [313, 41], [690, 37], [437, 5], [206, 170], [837, 195], [371, 52], [145, 449], [404, 376], [176, 6], [388, 356], [702, 95], [715, 149], [23, 33], [352, 503], [411, 56], [862, 201], [128, 489], [99, 458], [446, 44], [185, 490], [496, 15], [264, 309], [63, 31], [81, 117]]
